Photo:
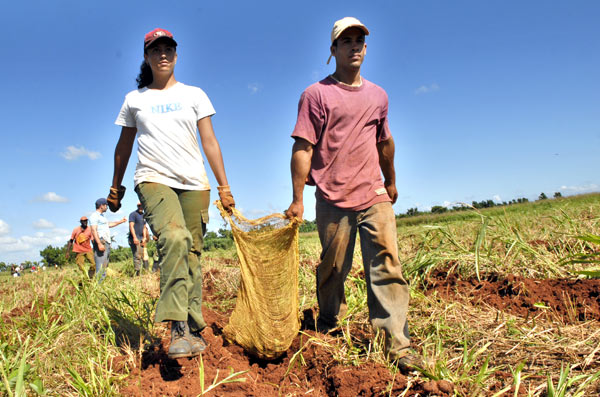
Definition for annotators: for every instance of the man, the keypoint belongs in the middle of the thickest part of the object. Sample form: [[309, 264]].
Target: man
[[80, 243], [342, 145], [138, 237], [101, 233]]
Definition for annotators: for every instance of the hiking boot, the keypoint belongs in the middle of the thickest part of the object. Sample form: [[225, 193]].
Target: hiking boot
[[409, 362], [196, 340], [180, 344]]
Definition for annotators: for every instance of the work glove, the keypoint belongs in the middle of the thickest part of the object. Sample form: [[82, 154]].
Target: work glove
[[226, 198], [114, 198]]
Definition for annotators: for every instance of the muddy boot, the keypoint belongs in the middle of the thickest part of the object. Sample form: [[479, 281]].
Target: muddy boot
[[196, 340], [180, 344]]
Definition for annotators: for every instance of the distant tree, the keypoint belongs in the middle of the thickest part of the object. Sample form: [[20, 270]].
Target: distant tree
[[53, 256], [557, 195], [225, 233], [120, 254], [412, 211], [542, 196], [3, 266], [438, 209], [210, 235], [223, 240], [307, 226]]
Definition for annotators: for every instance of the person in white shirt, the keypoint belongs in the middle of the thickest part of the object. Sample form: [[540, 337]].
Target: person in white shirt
[[171, 182], [101, 236]]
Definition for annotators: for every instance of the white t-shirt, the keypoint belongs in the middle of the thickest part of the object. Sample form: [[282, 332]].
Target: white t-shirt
[[166, 122], [99, 220]]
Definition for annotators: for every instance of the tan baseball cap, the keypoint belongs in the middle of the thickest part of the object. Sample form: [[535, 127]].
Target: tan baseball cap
[[340, 25]]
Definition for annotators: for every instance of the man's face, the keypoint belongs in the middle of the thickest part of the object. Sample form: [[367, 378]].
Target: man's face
[[84, 224], [103, 208], [140, 209], [350, 49]]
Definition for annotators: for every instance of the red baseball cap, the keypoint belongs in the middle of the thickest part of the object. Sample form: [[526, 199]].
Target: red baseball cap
[[156, 34]]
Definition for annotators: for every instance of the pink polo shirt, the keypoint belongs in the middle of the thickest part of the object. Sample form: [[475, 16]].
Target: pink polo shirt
[[344, 124]]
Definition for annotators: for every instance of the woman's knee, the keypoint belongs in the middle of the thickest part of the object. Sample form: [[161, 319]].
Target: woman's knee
[[175, 236]]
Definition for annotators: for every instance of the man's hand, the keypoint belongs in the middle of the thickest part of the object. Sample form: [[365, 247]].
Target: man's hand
[[101, 247], [391, 191], [295, 210], [135, 240], [226, 198], [114, 198]]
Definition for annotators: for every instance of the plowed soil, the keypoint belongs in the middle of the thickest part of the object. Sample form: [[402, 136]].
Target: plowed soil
[[567, 300], [319, 376], [316, 373]]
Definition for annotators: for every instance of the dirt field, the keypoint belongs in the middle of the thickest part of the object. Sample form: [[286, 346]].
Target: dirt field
[[155, 374]]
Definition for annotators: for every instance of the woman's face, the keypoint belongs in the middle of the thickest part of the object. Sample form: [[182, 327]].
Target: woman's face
[[161, 57]]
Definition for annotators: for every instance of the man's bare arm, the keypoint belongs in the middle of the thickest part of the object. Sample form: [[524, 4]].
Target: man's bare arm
[[300, 166], [386, 150]]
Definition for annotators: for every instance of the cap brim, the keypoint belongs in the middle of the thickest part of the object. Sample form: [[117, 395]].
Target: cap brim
[[148, 44]]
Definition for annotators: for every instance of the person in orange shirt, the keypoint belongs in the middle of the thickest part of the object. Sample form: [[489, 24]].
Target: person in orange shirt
[[80, 243]]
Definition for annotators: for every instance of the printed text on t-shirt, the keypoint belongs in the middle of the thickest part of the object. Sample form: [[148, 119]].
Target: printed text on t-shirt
[[169, 107]]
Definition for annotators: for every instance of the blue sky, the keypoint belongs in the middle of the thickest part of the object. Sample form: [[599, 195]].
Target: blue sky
[[488, 99]]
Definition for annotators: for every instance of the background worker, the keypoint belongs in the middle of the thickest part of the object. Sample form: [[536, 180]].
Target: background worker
[[138, 236], [80, 242], [170, 179], [101, 234], [342, 145]]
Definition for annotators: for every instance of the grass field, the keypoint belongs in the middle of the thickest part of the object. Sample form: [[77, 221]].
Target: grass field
[[500, 306]]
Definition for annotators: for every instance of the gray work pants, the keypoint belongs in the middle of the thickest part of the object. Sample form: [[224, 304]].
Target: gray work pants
[[387, 291]]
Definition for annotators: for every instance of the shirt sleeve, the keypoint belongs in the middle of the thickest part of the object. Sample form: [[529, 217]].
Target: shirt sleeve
[[202, 105], [383, 128], [132, 217], [93, 220], [311, 119], [125, 117]]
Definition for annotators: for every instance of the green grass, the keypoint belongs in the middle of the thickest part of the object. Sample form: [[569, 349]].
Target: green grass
[[59, 334]]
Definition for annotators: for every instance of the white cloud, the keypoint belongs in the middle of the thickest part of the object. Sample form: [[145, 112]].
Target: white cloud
[[4, 227], [254, 88], [497, 198], [74, 152], [52, 197], [29, 247], [590, 187], [426, 89], [446, 204], [43, 224], [7, 240]]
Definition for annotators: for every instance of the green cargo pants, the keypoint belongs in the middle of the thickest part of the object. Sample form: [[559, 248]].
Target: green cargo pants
[[178, 218], [387, 291]]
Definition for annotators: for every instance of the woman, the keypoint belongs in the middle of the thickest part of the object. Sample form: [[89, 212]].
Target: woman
[[171, 182]]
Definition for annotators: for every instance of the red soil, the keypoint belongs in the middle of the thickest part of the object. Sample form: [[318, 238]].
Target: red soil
[[568, 300], [313, 373], [320, 375]]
